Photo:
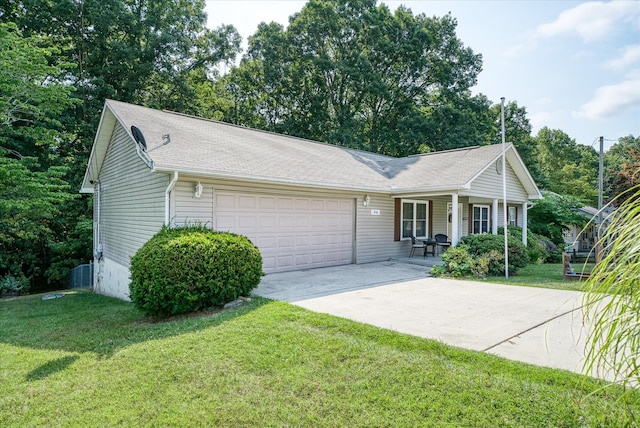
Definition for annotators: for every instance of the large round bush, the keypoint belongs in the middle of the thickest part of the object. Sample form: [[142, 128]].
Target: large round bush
[[485, 243], [189, 268]]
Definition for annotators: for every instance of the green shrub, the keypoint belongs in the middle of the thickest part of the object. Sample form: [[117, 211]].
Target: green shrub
[[457, 263], [483, 263], [192, 267], [484, 243], [14, 284], [536, 251]]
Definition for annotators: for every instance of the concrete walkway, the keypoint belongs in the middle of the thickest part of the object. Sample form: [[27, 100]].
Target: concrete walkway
[[534, 325]]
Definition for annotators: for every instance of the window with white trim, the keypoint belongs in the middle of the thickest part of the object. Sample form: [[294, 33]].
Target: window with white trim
[[414, 219], [513, 216], [481, 219]]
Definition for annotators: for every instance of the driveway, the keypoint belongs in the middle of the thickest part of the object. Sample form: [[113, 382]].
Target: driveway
[[534, 325]]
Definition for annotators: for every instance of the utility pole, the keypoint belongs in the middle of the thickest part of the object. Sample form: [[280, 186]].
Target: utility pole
[[504, 194], [600, 190]]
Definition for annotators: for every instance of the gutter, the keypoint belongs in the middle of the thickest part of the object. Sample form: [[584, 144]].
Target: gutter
[[390, 191], [167, 199]]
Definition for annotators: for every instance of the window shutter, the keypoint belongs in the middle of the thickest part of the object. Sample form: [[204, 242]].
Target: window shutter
[[430, 208], [491, 218], [396, 216]]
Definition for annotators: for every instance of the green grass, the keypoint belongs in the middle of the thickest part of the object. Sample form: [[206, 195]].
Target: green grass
[[89, 360], [549, 275]]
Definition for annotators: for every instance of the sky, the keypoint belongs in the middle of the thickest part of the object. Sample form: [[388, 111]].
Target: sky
[[574, 65]]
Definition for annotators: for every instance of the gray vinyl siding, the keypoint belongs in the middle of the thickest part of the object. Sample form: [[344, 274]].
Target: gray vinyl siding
[[131, 200], [375, 233], [489, 185], [187, 209]]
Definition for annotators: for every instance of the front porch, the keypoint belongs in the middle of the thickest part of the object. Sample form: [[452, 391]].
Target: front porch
[[425, 216]]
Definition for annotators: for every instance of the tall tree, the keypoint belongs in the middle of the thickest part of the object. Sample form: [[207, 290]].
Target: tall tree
[[33, 186], [622, 168], [566, 167], [352, 73], [148, 52]]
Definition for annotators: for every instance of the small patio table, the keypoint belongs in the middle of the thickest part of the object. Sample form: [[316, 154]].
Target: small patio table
[[429, 243]]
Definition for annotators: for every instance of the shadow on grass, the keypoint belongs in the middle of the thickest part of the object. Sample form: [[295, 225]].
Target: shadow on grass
[[85, 322], [51, 367]]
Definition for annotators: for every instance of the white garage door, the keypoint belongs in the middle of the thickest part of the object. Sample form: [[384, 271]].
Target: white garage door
[[292, 233]]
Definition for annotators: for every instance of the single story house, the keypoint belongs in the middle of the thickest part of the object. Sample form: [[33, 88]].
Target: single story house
[[305, 204]]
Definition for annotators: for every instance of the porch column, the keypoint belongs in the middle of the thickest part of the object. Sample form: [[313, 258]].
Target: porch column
[[494, 217], [524, 224], [455, 227]]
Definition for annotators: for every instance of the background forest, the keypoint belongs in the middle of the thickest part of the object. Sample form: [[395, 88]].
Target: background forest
[[350, 73]]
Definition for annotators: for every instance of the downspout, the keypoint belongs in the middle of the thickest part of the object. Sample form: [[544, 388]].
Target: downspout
[[97, 238], [167, 199]]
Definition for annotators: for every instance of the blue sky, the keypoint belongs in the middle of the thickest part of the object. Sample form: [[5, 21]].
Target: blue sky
[[574, 65]]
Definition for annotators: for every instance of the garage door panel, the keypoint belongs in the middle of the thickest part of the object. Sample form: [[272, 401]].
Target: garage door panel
[[268, 263], [246, 202], [226, 223], [285, 242], [268, 221], [292, 233], [302, 204], [247, 223], [284, 262], [285, 203]]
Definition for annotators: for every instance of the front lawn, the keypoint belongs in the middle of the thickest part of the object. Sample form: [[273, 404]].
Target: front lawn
[[548, 275], [89, 360]]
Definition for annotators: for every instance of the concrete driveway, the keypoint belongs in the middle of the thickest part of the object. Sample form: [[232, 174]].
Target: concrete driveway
[[534, 325]]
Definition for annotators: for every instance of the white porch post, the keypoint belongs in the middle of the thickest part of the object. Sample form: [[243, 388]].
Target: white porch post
[[524, 223], [455, 227], [494, 219]]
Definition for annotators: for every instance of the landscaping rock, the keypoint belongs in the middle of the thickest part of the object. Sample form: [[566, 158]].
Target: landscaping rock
[[237, 303]]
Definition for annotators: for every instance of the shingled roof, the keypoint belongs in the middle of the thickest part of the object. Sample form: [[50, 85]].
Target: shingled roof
[[215, 149]]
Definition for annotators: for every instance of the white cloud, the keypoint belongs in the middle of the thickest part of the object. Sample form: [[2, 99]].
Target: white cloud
[[592, 20], [540, 119], [630, 55], [611, 100]]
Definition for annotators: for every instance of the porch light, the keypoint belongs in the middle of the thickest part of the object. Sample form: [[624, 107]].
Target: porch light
[[367, 199], [198, 190]]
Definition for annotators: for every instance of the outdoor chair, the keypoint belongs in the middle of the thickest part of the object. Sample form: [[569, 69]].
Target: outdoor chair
[[442, 241], [415, 245]]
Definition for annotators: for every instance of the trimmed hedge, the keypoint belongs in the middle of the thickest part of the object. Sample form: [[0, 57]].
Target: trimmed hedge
[[189, 268], [484, 243]]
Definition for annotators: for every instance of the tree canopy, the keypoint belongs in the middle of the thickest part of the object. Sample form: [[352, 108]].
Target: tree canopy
[[354, 74]]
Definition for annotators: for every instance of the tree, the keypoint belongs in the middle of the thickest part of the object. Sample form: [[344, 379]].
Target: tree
[[622, 168], [33, 96], [33, 182], [148, 52], [354, 74], [613, 299], [554, 214], [565, 167], [30, 202]]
